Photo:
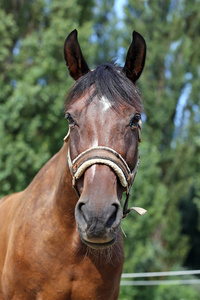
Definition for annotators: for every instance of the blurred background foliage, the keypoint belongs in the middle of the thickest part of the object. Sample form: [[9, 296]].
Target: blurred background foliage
[[34, 82]]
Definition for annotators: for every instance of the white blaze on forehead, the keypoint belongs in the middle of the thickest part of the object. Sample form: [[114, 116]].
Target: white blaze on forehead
[[105, 103]]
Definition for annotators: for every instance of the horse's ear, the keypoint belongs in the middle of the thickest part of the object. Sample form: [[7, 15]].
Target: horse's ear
[[73, 56], [135, 58]]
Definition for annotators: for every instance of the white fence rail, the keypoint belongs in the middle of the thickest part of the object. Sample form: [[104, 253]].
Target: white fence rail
[[159, 282]]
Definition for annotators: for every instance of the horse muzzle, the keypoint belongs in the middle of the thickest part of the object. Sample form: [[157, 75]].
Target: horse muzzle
[[98, 226]]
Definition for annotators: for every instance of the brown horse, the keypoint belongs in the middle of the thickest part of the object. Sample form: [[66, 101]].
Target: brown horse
[[62, 240]]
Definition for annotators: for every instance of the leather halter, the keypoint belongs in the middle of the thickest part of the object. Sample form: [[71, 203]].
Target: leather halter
[[111, 158]]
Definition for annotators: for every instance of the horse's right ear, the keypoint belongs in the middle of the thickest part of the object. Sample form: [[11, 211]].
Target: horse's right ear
[[73, 56]]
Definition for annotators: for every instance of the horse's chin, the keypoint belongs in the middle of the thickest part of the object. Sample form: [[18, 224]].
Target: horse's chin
[[99, 246]]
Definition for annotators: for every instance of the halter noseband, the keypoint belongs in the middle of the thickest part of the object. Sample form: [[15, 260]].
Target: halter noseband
[[109, 157]]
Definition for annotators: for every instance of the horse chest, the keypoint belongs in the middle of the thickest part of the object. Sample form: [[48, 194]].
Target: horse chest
[[71, 284], [77, 285], [65, 275]]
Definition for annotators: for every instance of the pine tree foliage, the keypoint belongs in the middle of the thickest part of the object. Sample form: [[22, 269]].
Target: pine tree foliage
[[167, 185], [34, 82]]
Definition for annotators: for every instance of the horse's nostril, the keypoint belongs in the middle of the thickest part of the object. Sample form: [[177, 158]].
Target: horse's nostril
[[81, 211], [113, 216], [80, 205]]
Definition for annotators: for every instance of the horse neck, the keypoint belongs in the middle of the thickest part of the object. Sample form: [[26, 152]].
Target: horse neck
[[65, 197], [52, 188]]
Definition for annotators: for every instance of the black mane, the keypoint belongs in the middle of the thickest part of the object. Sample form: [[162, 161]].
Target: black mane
[[109, 81]]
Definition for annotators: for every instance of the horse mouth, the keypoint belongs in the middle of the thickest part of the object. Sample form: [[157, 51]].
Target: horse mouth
[[99, 246]]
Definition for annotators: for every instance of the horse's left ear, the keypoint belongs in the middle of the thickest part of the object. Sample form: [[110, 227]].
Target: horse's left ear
[[135, 58], [73, 56]]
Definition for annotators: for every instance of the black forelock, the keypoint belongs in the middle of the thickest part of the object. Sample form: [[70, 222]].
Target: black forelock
[[109, 81]]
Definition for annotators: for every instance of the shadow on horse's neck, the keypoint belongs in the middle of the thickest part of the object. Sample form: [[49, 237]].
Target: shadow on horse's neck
[[54, 180], [65, 197]]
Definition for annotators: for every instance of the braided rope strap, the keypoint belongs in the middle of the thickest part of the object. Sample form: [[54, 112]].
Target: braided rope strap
[[109, 157]]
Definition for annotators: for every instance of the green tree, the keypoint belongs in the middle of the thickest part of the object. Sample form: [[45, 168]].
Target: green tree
[[34, 82], [105, 20], [167, 185]]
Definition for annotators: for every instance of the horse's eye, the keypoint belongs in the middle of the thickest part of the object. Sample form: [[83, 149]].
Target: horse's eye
[[134, 120], [70, 119]]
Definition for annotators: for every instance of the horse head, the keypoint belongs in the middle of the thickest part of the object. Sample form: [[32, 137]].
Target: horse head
[[104, 114]]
